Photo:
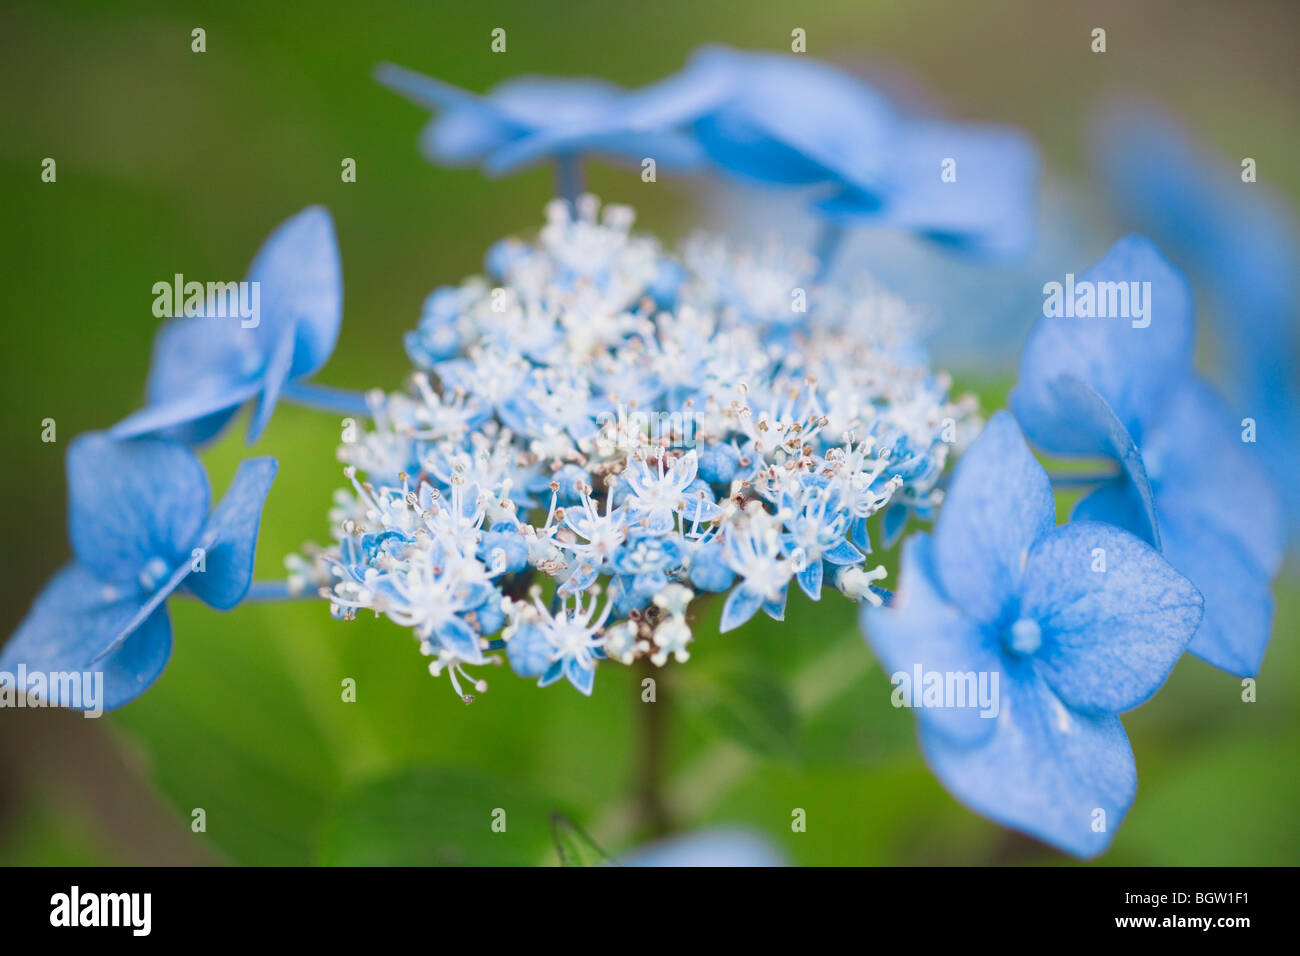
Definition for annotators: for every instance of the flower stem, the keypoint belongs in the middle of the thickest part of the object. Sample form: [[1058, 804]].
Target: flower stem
[[827, 247], [326, 399], [568, 176], [261, 592], [1080, 479], [652, 808]]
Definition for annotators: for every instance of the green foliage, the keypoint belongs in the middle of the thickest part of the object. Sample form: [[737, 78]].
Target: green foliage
[[573, 845], [430, 816]]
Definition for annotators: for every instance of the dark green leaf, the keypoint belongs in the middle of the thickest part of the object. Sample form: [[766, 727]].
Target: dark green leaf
[[431, 816], [750, 708], [573, 844]]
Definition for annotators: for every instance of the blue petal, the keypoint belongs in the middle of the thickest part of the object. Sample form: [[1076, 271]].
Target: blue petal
[[1243, 244], [844, 553], [810, 579], [1045, 770], [709, 569], [1235, 630], [892, 524], [457, 636], [707, 83], [131, 669], [1131, 368], [130, 502], [1110, 636], [921, 629], [987, 210], [301, 283], [74, 619], [742, 604], [464, 136], [767, 131], [1203, 468], [603, 136], [202, 370], [230, 537], [999, 504], [553, 673], [775, 608], [274, 377], [582, 578], [425, 90], [536, 101], [1129, 500], [528, 651], [583, 678], [192, 419]]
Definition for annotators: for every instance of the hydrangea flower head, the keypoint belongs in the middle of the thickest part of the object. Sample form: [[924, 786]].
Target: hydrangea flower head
[[626, 427]]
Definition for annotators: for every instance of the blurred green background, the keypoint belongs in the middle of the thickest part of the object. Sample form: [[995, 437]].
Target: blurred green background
[[171, 161]]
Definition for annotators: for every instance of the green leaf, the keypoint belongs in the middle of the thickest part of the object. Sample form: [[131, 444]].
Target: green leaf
[[573, 844], [434, 816], [749, 707]]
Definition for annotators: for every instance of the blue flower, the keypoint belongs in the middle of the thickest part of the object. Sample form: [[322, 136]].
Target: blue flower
[[657, 497], [641, 566], [986, 208], [206, 368], [140, 529], [1187, 483], [527, 119], [1068, 626], [753, 549], [1241, 242], [790, 120], [709, 569], [562, 643], [815, 527]]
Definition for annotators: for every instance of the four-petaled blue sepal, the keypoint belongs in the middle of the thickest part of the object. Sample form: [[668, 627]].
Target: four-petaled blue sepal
[[140, 529], [1020, 642], [787, 120], [207, 367], [528, 119], [1122, 387]]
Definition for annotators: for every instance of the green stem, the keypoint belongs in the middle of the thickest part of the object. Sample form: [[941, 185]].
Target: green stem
[[651, 807]]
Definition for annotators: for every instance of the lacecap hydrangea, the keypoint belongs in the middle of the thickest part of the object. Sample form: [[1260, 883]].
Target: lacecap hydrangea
[[598, 431]]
